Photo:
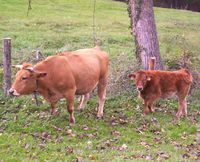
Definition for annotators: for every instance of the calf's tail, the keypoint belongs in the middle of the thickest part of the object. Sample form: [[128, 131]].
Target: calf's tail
[[189, 77]]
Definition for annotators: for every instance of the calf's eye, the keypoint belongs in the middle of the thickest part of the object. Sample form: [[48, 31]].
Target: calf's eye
[[24, 78]]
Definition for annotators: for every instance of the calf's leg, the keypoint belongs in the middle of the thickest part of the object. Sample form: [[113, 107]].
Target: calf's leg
[[182, 110], [148, 105], [53, 110]]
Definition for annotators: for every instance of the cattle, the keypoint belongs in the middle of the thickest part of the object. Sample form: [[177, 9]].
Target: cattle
[[154, 84], [65, 75]]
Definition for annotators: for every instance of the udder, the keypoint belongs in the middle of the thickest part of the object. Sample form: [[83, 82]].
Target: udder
[[86, 87]]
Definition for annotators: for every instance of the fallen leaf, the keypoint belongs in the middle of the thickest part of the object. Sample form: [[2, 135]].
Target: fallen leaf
[[42, 145], [46, 135], [69, 150], [92, 157], [162, 154], [115, 133], [123, 147], [185, 156], [56, 128], [79, 159], [85, 127], [26, 146]]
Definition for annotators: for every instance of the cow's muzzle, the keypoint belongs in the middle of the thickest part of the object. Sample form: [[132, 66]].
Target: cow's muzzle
[[13, 92]]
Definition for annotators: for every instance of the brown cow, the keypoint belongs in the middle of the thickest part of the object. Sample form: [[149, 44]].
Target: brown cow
[[64, 76], [154, 84]]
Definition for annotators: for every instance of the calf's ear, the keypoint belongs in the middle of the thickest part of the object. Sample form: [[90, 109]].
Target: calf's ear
[[132, 76], [149, 77]]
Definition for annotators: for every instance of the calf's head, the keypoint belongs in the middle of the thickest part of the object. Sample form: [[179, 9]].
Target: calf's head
[[25, 81], [141, 78]]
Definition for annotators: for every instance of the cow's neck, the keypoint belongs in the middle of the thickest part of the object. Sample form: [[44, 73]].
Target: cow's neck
[[44, 90]]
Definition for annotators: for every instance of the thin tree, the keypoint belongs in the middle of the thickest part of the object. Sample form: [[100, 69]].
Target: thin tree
[[144, 32]]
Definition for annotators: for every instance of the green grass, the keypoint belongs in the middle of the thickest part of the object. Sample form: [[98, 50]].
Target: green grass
[[30, 133]]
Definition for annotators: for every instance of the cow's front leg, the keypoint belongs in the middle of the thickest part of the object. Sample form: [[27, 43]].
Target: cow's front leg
[[70, 105]]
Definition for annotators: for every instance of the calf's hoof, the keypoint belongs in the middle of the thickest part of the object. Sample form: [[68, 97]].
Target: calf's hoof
[[152, 110], [179, 114], [80, 109], [146, 111], [54, 111]]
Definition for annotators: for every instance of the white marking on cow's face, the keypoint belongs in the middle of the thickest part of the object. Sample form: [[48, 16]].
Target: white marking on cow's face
[[13, 92]]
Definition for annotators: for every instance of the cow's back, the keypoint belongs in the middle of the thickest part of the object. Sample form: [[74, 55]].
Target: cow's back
[[87, 66]]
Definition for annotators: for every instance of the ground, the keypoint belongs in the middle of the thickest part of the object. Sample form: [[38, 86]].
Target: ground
[[28, 132]]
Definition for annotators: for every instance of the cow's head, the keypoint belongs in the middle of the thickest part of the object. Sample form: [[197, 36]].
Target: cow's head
[[141, 78], [25, 81]]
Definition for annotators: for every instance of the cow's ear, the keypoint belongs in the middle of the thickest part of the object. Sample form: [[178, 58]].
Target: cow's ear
[[30, 69], [40, 74], [18, 66], [26, 65], [132, 76]]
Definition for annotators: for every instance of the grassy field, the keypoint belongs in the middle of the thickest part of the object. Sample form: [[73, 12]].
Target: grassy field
[[29, 133]]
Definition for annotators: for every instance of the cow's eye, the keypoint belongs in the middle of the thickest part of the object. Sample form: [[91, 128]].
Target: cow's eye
[[24, 78]]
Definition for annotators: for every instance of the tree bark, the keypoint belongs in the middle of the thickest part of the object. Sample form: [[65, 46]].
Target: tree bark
[[144, 32], [7, 64]]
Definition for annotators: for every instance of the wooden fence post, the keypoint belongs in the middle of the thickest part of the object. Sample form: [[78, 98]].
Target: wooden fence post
[[7, 64], [152, 63]]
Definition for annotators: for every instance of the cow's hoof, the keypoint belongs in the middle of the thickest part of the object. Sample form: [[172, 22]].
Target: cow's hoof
[[179, 114], [72, 121], [152, 110], [80, 109], [146, 111]]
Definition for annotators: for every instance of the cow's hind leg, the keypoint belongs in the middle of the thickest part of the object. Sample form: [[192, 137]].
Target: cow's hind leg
[[102, 96], [84, 99], [70, 105]]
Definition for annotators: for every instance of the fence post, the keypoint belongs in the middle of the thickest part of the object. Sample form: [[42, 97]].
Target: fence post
[[152, 62], [7, 64]]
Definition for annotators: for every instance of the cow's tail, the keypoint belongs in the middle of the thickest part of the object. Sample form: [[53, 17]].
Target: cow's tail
[[97, 47], [189, 77]]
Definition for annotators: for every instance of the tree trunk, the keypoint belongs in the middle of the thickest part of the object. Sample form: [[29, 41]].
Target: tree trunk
[[144, 32]]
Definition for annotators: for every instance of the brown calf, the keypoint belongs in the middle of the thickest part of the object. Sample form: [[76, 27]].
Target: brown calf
[[154, 84]]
